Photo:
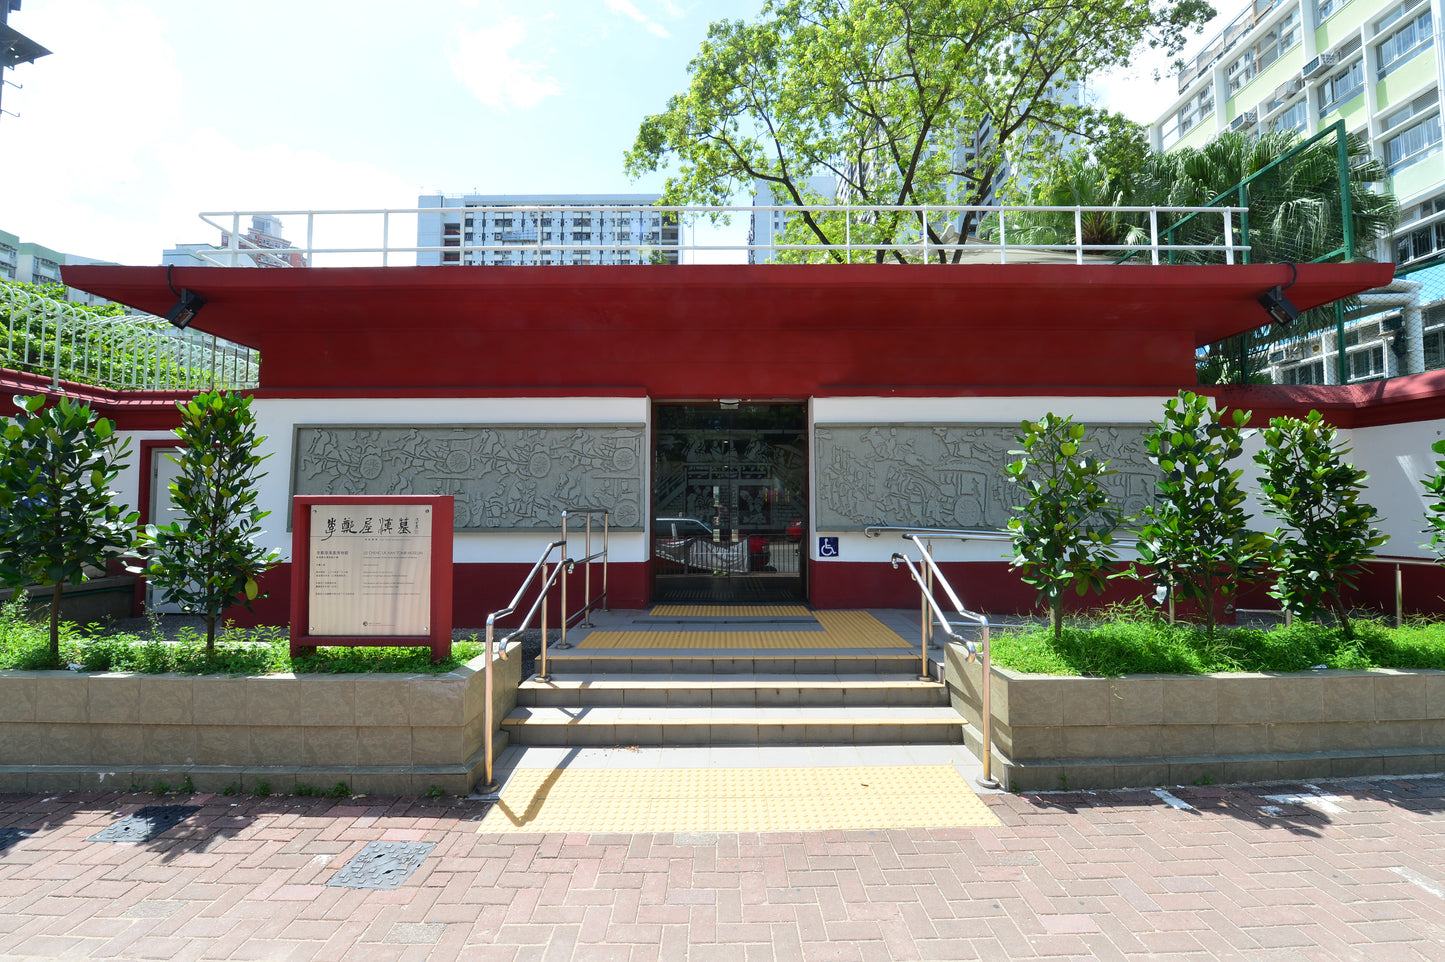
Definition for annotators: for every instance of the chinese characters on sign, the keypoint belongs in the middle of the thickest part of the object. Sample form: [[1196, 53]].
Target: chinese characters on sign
[[370, 569]]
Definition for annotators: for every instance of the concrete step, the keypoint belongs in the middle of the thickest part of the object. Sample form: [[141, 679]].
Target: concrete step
[[702, 691], [665, 726], [733, 661]]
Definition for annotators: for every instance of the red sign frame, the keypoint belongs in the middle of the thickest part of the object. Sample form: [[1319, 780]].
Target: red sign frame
[[440, 638]]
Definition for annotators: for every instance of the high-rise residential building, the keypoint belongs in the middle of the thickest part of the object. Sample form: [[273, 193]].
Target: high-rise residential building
[[516, 229], [1306, 64], [768, 227], [30, 263]]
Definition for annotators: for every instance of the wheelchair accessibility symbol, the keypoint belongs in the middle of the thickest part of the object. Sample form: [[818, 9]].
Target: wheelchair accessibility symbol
[[827, 547]]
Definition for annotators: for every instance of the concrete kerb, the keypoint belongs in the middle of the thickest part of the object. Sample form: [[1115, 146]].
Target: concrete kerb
[[380, 733], [1053, 732]]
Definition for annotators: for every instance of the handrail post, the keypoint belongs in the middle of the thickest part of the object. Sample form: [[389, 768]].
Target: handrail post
[[1399, 597], [986, 749], [587, 575], [489, 782], [926, 641], [543, 673]]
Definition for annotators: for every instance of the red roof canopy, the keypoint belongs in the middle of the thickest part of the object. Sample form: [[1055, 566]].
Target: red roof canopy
[[726, 330]]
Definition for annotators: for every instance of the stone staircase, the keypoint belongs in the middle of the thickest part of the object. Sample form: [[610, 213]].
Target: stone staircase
[[732, 696]]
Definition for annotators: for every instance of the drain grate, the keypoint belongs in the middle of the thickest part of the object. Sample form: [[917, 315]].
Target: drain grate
[[146, 824], [382, 865], [9, 836]]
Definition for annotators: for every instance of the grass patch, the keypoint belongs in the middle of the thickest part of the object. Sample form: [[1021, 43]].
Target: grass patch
[[1127, 641], [24, 644]]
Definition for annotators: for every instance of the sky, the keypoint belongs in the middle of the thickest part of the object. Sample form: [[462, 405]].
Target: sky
[[149, 112]]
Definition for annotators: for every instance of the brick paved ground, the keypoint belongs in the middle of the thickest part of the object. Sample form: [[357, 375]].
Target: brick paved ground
[[1234, 874]]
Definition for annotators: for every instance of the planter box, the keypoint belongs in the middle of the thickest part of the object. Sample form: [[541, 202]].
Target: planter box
[[1051, 732], [379, 733]]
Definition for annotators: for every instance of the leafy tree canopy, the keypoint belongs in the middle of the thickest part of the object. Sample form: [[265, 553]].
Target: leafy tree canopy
[[906, 102], [209, 560], [57, 520]]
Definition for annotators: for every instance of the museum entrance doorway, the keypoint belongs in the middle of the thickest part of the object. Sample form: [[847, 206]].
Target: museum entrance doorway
[[729, 497]]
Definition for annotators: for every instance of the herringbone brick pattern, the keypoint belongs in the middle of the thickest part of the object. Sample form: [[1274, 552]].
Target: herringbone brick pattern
[[1344, 870]]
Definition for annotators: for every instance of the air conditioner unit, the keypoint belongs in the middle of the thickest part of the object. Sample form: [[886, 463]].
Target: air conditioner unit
[[1320, 64], [1243, 120]]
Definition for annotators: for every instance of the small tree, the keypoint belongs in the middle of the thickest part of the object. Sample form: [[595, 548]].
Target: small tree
[[57, 519], [209, 561], [1063, 534], [1195, 534], [1311, 488]]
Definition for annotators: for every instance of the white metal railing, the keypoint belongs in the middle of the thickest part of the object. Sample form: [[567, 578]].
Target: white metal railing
[[367, 236], [140, 352]]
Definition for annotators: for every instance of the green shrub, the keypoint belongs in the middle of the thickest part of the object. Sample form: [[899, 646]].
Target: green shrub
[[1131, 641]]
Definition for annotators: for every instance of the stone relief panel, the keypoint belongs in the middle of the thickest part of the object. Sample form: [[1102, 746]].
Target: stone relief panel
[[503, 477], [949, 475]]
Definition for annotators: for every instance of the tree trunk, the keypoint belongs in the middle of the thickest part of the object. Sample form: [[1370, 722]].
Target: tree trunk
[[210, 636], [1056, 617], [1342, 613], [55, 622]]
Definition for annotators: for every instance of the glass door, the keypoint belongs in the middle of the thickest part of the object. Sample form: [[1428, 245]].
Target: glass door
[[729, 499]]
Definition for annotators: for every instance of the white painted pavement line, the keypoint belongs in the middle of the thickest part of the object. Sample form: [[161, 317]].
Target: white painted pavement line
[[1321, 802], [1173, 801], [1416, 878]]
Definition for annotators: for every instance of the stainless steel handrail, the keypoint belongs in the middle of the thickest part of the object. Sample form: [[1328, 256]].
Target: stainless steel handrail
[[971, 534], [929, 610], [1400, 580], [489, 783], [586, 561]]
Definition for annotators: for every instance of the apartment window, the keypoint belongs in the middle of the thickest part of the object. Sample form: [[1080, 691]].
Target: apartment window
[[1402, 45], [1293, 118], [1198, 107], [1420, 242], [1311, 372], [1414, 144], [1281, 37], [1434, 349], [1367, 364], [1342, 86], [1327, 8]]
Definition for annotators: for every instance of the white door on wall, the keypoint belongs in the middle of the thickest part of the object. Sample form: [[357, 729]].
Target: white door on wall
[[162, 511]]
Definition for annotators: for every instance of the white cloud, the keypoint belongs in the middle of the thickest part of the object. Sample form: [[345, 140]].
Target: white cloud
[[484, 63], [627, 8]]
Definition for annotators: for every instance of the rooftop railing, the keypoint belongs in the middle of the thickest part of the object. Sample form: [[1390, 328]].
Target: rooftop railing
[[670, 235], [136, 352]]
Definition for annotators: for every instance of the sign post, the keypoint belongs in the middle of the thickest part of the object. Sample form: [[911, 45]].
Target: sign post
[[371, 570]]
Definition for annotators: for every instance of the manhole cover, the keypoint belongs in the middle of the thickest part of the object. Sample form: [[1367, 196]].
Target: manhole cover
[[9, 836], [146, 824], [382, 865]]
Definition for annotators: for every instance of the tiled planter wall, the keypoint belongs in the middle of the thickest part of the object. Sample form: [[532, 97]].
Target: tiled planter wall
[[379, 733], [1142, 730]]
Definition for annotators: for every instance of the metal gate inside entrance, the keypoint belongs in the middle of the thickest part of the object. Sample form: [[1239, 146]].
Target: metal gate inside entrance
[[729, 502]]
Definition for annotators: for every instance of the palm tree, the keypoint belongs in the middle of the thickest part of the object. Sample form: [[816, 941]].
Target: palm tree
[[1291, 187]]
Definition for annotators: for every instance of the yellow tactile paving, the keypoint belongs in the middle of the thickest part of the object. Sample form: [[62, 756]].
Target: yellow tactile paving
[[736, 800], [841, 629], [729, 611]]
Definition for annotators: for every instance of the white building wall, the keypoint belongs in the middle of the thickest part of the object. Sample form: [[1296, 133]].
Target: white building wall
[[1397, 457]]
